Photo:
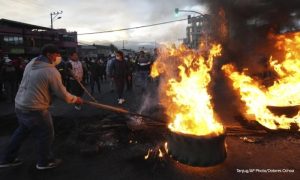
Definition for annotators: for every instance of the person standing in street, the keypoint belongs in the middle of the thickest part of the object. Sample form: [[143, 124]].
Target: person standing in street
[[9, 74], [108, 69], [85, 67], [143, 70], [61, 67], [119, 74], [41, 79], [94, 76], [102, 73], [75, 69], [130, 68]]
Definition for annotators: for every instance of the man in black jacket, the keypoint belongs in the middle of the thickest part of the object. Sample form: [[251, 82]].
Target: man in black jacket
[[94, 76], [119, 73], [143, 70]]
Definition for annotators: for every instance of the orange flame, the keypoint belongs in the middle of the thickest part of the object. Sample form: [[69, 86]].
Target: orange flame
[[160, 153], [148, 154], [166, 147], [284, 91], [184, 92]]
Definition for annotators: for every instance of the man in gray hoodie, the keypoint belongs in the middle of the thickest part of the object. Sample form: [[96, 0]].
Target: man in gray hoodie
[[41, 80]]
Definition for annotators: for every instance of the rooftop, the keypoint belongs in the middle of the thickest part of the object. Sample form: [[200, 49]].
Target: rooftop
[[21, 24]]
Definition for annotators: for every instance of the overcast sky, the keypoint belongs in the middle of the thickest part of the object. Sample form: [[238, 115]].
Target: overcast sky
[[98, 15]]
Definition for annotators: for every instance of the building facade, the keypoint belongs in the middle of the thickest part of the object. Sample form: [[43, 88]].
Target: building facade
[[21, 39], [196, 31], [95, 51]]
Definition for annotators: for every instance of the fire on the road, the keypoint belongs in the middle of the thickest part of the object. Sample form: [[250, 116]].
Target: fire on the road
[[284, 91], [185, 94]]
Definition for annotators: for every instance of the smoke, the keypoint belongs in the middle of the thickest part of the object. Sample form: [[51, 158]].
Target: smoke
[[243, 27], [147, 104]]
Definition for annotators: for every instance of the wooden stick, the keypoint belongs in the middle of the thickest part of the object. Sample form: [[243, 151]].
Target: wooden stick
[[86, 91], [107, 107], [119, 110], [82, 86]]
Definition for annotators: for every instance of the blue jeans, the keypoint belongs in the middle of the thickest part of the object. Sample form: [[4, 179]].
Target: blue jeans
[[41, 125]]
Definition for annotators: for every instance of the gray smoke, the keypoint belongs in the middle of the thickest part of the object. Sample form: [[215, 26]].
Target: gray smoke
[[147, 104], [248, 23], [246, 43]]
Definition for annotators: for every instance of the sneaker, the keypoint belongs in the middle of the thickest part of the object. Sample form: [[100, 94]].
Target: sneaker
[[78, 107], [15, 162], [50, 165]]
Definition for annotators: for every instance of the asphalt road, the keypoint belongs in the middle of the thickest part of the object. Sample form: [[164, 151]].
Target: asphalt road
[[120, 151]]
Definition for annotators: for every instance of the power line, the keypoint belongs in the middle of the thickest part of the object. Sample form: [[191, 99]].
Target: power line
[[137, 27], [149, 42]]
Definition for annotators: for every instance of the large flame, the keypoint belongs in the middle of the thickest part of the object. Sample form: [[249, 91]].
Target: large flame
[[285, 91], [184, 92]]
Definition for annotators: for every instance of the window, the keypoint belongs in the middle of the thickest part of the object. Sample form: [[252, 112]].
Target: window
[[13, 40], [68, 38]]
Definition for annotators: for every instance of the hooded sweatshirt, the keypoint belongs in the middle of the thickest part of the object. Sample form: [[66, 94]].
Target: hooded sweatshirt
[[41, 79]]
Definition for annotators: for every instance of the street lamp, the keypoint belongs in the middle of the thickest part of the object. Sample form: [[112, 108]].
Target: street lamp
[[53, 17], [179, 10]]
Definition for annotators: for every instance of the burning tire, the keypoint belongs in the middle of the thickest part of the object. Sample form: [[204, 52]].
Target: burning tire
[[197, 150]]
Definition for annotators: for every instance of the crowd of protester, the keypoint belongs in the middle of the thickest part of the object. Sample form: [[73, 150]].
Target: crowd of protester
[[32, 85], [118, 70], [11, 73]]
